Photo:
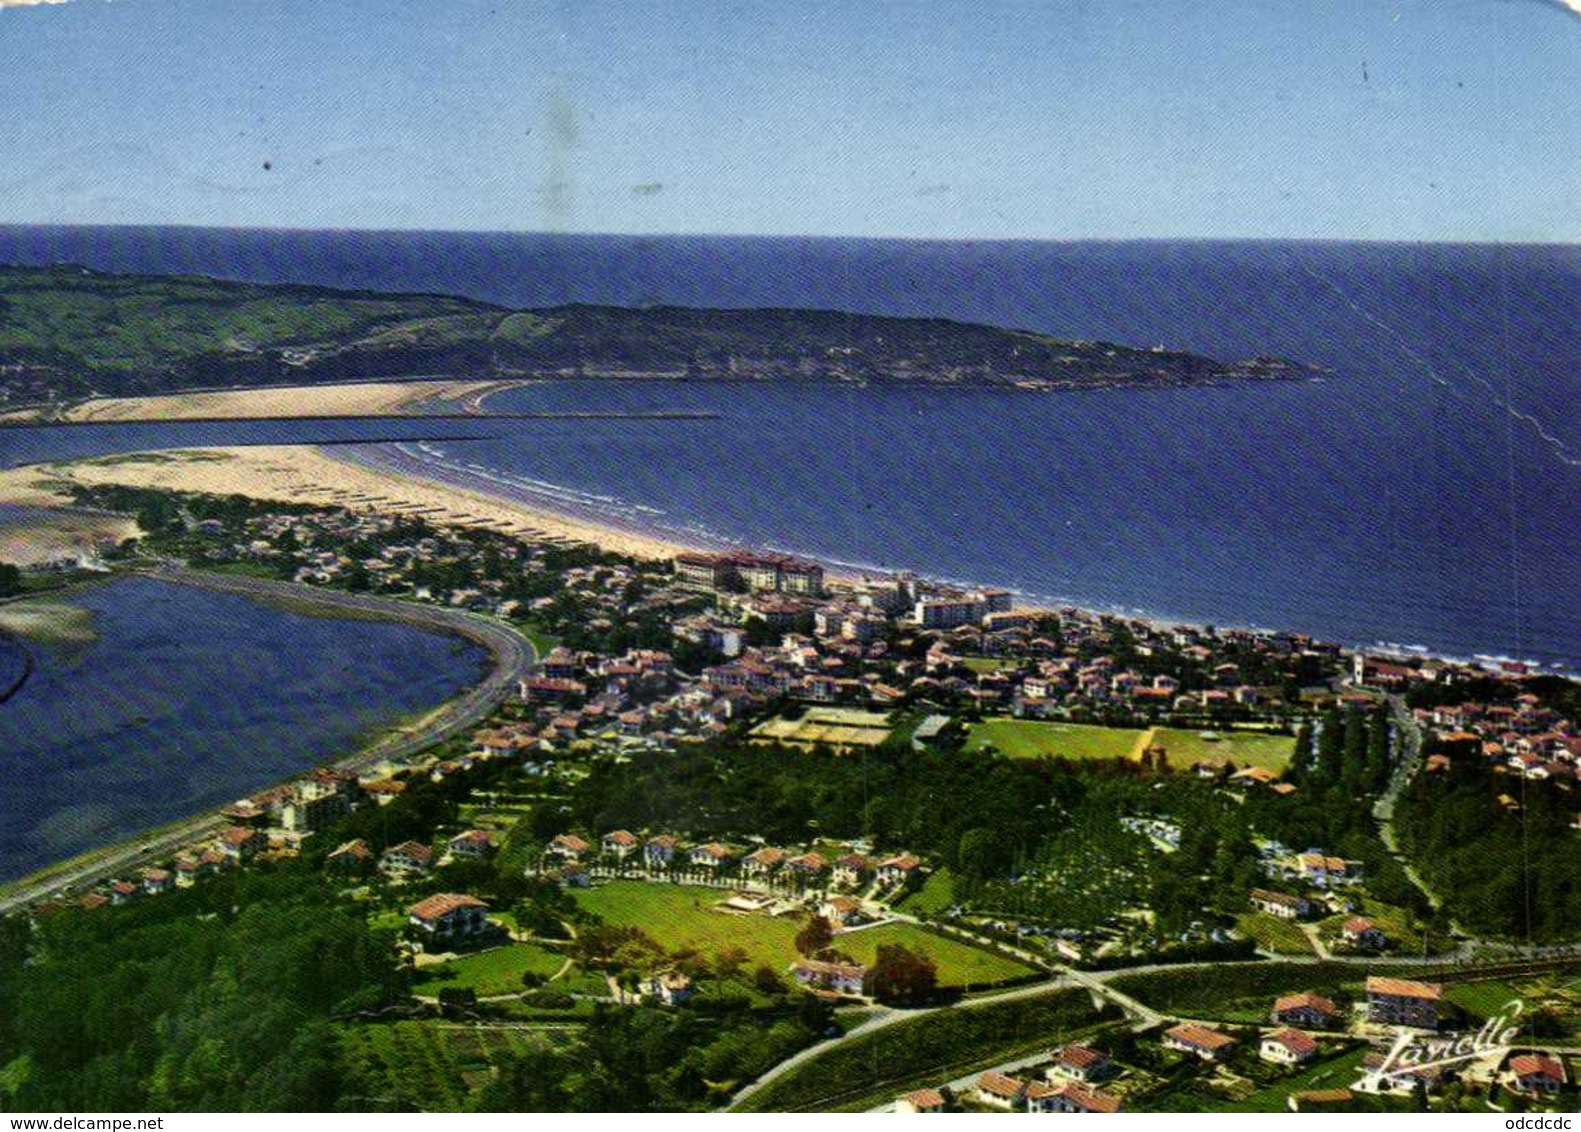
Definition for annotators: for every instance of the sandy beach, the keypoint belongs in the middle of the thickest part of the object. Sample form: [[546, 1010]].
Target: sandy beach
[[301, 474], [356, 399]]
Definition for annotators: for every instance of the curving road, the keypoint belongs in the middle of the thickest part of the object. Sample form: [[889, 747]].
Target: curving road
[[513, 658]]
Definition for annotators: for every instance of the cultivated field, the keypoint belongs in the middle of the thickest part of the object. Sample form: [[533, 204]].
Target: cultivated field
[[834, 727], [681, 915], [1243, 748], [1035, 739], [432, 1065]]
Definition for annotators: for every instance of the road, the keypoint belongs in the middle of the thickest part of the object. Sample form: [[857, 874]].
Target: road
[[513, 658]]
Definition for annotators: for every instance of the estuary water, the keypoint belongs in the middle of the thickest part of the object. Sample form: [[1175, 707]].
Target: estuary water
[[159, 700]]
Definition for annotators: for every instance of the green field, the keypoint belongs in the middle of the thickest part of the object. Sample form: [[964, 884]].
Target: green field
[[1274, 934], [496, 971], [1484, 999], [679, 916], [988, 663], [935, 896], [1034, 739], [1243, 748]]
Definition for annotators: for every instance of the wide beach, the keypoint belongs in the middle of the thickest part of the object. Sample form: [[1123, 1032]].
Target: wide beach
[[303, 474]]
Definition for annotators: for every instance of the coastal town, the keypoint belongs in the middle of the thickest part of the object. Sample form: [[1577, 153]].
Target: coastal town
[[717, 793]]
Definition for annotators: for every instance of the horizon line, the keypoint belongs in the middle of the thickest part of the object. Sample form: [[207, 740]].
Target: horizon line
[[1491, 241]]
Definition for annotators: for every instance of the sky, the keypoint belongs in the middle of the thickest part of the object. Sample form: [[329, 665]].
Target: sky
[[1064, 119]]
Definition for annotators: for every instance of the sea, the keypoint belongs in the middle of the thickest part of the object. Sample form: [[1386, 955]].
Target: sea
[[1420, 494]]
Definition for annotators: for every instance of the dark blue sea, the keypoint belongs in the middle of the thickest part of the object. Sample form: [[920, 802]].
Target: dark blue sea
[[1424, 493]]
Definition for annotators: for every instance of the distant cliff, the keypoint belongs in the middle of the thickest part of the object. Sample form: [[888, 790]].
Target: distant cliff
[[69, 332]]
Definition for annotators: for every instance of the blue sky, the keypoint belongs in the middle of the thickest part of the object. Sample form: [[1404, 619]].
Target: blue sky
[[1435, 119]]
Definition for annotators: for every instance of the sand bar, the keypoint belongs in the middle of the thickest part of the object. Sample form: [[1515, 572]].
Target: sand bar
[[357, 399]]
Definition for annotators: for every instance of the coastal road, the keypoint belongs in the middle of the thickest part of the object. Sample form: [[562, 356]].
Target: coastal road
[[512, 655]]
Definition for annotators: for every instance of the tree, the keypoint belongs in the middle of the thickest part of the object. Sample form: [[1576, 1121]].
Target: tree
[[901, 976], [767, 980], [10, 580], [728, 963], [457, 1000], [982, 854], [815, 936]]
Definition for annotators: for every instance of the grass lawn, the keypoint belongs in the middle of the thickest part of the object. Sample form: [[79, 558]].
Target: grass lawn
[[1035, 739], [1243, 748], [960, 964], [935, 896], [680, 915], [496, 971], [1484, 999], [1273, 934], [988, 663]]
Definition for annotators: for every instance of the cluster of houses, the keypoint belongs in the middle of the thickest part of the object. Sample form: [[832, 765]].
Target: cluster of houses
[[1071, 1081], [1080, 1077], [883, 640], [664, 853], [1324, 883], [1522, 739]]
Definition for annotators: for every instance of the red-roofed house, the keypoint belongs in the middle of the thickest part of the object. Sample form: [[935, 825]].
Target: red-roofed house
[[710, 856], [407, 857], [1304, 1009], [241, 844], [659, 851], [920, 1100], [1364, 933], [448, 916], [1075, 1097], [1537, 1073], [997, 1090], [762, 862], [473, 844], [1201, 1041], [842, 911], [850, 869], [1288, 1047], [1082, 1063], [841, 978], [898, 869], [567, 846], [619, 844], [1403, 1002]]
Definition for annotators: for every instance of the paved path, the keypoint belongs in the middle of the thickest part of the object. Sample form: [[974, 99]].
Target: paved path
[[513, 658]]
